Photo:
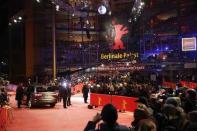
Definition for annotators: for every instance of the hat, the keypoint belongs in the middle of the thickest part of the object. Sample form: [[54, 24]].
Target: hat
[[173, 100], [142, 100]]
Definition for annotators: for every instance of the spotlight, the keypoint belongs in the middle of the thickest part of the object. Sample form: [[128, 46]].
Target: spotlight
[[20, 18], [142, 3], [15, 21], [109, 12], [64, 84], [129, 20], [166, 48], [57, 7], [38, 1], [102, 10]]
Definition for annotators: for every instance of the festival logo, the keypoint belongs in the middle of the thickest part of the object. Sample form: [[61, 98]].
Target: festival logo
[[116, 33]]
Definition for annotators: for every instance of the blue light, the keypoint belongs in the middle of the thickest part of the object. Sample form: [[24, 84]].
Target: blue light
[[157, 49], [166, 48]]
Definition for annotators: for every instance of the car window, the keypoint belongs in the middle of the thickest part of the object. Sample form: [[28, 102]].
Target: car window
[[40, 89], [52, 89]]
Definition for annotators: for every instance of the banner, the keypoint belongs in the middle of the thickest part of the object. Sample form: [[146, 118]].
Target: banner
[[120, 102], [117, 40], [99, 99], [3, 118], [183, 84], [124, 103], [189, 44], [169, 85], [188, 84]]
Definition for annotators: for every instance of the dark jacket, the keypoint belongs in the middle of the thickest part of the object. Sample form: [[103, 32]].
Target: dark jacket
[[85, 91], [69, 91], [91, 126], [19, 93]]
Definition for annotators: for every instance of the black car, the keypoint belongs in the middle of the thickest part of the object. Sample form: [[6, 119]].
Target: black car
[[43, 95]]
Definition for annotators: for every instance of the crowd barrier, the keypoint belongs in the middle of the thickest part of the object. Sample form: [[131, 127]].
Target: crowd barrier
[[188, 84], [120, 102], [169, 85], [183, 84], [5, 115], [77, 88]]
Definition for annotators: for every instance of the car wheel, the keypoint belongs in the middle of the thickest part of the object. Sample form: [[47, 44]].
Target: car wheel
[[52, 105]]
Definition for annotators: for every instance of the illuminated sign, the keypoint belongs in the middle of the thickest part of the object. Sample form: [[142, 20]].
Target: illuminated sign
[[123, 68], [189, 44], [119, 55], [120, 31], [115, 33]]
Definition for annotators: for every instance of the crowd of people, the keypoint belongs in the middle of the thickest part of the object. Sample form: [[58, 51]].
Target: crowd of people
[[159, 109], [123, 85]]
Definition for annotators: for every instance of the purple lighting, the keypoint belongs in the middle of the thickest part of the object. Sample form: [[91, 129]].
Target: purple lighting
[[166, 48]]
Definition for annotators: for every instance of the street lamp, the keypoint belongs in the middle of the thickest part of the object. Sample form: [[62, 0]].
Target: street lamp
[[54, 40]]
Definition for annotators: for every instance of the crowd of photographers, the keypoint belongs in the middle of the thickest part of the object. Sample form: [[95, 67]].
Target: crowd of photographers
[[159, 109]]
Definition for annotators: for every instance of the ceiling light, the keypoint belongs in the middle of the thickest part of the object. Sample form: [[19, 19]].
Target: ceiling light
[[102, 10], [57, 7], [15, 21], [20, 18], [38, 1]]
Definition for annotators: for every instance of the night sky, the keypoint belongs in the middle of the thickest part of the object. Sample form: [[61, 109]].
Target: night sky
[[3, 29], [7, 9]]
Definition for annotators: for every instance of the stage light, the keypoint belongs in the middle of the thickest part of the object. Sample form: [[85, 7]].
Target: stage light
[[129, 20], [20, 18], [166, 48], [142, 3], [109, 12], [38, 1], [57, 7], [15, 21], [102, 10], [65, 84]]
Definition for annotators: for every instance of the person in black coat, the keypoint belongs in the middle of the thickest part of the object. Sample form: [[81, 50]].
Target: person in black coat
[[109, 115], [19, 94], [85, 91], [64, 93], [69, 96], [28, 93]]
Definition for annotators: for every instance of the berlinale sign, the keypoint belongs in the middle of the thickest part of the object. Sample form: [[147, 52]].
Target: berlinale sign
[[119, 55]]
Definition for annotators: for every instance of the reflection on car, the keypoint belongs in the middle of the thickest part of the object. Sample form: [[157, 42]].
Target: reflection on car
[[43, 95]]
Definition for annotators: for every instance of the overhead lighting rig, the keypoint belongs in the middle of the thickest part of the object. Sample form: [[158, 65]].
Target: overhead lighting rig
[[136, 10]]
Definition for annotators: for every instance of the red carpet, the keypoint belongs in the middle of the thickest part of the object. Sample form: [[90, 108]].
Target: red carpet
[[73, 118]]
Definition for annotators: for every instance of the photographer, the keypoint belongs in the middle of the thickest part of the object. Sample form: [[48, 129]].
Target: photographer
[[109, 116]]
